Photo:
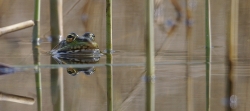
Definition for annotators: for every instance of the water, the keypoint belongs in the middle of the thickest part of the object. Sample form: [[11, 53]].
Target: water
[[88, 92], [83, 92]]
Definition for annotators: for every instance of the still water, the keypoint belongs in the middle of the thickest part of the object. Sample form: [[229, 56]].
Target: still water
[[178, 83]]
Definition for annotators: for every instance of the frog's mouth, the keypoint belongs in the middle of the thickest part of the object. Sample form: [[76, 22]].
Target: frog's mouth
[[77, 52]]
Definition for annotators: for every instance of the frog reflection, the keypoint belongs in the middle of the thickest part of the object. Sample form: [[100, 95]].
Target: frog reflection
[[79, 60], [75, 45]]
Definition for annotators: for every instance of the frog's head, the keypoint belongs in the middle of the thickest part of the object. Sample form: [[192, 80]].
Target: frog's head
[[75, 44], [88, 39]]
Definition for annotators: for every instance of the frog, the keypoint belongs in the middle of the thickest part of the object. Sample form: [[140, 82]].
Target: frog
[[76, 45], [77, 50]]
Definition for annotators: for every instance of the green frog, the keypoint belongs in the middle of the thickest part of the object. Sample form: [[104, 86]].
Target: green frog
[[76, 45], [77, 50]]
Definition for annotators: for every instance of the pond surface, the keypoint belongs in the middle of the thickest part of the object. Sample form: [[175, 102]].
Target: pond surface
[[89, 92]]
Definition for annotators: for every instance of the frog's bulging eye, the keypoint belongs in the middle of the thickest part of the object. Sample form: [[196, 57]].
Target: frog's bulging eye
[[92, 35], [89, 35], [71, 37]]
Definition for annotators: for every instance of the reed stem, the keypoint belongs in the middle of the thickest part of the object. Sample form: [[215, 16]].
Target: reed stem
[[233, 54], [36, 29], [109, 25], [109, 60], [36, 57], [38, 76], [56, 18], [109, 68], [150, 63], [56, 28], [208, 53]]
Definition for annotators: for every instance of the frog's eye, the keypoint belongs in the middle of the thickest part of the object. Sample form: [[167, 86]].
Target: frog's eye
[[70, 38], [92, 36], [72, 71], [89, 35]]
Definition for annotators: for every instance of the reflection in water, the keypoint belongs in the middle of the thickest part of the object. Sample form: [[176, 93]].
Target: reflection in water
[[6, 69], [38, 75], [16, 98], [77, 60]]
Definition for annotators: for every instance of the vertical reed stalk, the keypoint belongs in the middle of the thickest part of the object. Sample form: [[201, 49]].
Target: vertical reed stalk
[[36, 28], [36, 57], [56, 18], [233, 52], [109, 60], [109, 82], [189, 55], [208, 53], [150, 63], [38, 76], [56, 28], [109, 25]]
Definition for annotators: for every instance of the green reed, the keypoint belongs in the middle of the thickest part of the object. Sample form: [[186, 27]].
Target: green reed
[[208, 53], [150, 63], [109, 25], [110, 88], [36, 57], [109, 60], [36, 28], [38, 76]]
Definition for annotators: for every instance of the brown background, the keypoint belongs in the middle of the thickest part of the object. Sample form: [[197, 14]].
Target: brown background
[[88, 93]]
